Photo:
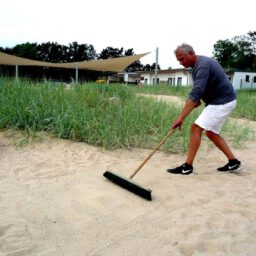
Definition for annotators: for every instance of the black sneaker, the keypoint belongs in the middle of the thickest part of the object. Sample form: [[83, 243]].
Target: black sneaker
[[232, 165], [184, 169]]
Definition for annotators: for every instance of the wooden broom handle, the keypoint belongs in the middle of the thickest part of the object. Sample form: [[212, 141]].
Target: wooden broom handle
[[153, 152]]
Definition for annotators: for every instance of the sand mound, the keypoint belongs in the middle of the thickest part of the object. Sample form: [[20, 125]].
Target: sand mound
[[55, 202]]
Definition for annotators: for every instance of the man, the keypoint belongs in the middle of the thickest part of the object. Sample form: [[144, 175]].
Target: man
[[211, 85]]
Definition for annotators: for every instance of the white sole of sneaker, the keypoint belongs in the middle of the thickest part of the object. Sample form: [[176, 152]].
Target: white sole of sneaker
[[230, 171], [238, 169]]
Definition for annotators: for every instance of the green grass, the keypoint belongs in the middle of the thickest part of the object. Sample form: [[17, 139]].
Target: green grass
[[246, 99], [246, 102], [164, 90], [110, 116]]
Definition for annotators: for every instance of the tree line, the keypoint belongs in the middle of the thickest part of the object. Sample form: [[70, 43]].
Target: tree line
[[238, 53]]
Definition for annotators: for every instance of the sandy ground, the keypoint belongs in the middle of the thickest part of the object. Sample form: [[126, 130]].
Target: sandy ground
[[166, 98], [54, 201]]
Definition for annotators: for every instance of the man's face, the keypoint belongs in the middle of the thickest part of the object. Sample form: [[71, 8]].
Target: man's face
[[186, 60]]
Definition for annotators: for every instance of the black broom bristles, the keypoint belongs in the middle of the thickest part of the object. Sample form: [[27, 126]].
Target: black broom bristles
[[128, 184]]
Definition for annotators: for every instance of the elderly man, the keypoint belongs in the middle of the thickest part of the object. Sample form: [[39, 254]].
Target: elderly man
[[211, 85]]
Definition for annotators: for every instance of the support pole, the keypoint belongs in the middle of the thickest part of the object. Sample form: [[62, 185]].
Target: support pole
[[126, 78], [17, 72], [76, 73], [156, 65]]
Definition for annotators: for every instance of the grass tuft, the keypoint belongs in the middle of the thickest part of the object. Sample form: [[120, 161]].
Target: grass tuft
[[110, 116]]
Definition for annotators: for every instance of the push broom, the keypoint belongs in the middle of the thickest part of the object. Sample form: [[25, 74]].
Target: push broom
[[128, 183]]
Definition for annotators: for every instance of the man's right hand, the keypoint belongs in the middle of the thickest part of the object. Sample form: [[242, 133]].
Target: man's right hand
[[177, 123], [189, 106]]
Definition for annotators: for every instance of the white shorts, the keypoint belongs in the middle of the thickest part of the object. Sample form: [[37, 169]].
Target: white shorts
[[213, 117]]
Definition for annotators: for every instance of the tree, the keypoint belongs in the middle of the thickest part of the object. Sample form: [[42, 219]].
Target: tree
[[135, 66], [147, 67], [243, 56], [129, 52], [223, 53], [81, 52], [51, 52], [26, 50], [111, 52], [237, 53], [153, 67], [252, 39]]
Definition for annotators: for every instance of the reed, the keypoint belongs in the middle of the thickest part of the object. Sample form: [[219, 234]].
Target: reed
[[246, 102], [246, 99], [110, 116], [165, 90]]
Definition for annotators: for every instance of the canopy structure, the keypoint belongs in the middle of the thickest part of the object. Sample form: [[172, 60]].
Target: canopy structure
[[113, 65]]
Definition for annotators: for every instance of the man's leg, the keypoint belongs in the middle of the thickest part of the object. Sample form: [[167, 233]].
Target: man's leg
[[220, 143], [195, 141], [233, 163], [194, 144]]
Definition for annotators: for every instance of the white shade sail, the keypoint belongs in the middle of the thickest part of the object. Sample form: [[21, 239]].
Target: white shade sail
[[113, 65]]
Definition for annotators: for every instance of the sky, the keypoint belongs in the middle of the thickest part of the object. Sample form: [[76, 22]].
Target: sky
[[143, 25]]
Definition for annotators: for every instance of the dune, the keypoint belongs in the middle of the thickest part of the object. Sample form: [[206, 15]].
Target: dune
[[56, 202]]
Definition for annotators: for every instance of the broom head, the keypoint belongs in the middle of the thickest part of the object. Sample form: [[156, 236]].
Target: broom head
[[128, 184]]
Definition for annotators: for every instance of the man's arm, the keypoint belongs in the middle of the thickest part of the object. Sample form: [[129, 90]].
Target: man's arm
[[189, 106]]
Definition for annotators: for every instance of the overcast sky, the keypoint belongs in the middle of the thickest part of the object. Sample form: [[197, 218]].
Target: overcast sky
[[139, 24]]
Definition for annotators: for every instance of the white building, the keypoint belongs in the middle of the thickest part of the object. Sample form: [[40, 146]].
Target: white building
[[181, 77], [174, 77], [125, 77], [243, 79]]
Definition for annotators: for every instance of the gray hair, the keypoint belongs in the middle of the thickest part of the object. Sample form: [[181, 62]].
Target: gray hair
[[185, 48]]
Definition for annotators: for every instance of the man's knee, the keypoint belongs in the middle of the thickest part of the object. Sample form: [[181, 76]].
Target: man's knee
[[196, 129], [210, 134]]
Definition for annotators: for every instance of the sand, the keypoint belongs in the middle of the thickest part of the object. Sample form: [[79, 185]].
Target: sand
[[165, 98], [54, 201]]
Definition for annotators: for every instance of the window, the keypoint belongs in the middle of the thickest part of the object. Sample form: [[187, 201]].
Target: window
[[179, 81], [169, 81], [254, 79], [157, 81], [247, 78]]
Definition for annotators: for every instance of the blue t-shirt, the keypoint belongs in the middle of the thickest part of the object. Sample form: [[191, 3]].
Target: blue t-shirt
[[211, 83]]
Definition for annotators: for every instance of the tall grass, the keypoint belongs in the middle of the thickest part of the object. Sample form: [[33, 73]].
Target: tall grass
[[105, 115], [246, 102], [165, 90], [246, 99], [111, 116]]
